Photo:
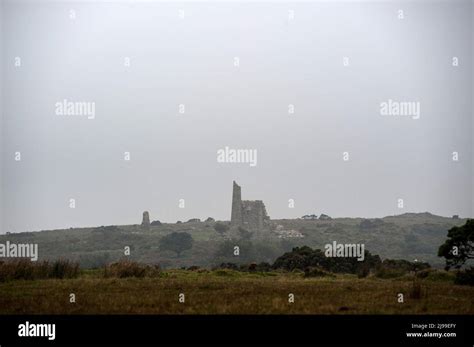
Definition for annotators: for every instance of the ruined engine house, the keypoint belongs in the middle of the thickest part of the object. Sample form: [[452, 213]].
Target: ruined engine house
[[248, 214]]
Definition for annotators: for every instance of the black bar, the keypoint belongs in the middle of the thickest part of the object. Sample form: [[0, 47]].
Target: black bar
[[262, 329]]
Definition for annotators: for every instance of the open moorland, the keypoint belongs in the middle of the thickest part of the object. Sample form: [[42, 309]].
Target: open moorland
[[408, 236], [231, 292], [210, 267]]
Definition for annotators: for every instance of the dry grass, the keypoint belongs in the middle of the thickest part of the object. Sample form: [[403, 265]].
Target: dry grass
[[23, 269], [232, 292], [126, 268]]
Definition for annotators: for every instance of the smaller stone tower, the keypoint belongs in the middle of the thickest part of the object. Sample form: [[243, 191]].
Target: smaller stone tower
[[146, 220]]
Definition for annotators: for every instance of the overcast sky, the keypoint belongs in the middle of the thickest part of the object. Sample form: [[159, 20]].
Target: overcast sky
[[186, 53]]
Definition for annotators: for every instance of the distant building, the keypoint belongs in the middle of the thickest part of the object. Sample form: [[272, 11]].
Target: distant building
[[309, 217], [146, 219], [456, 216], [249, 214]]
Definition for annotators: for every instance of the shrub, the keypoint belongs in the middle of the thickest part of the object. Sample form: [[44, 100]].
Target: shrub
[[27, 270], [461, 237], [263, 267], [176, 242], [363, 271], [392, 268], [64, 269], [252, 267], [16, 270], [315, 271], [441, 276], [423, 273], [126, 268], [405, 265], [95, 260], [465, 277], [303, 257], [246, 267], [221, 228], [298, 258]]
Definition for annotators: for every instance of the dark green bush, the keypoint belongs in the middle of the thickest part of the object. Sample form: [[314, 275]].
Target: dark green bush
[[127, 268], [221, 228], [465, 277], [64, 269], [303, 257]]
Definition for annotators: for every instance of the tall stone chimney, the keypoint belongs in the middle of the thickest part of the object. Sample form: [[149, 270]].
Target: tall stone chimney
[[236, 216], [146, 220]]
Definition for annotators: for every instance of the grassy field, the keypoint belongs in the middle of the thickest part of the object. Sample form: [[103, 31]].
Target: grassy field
[[230, 292]]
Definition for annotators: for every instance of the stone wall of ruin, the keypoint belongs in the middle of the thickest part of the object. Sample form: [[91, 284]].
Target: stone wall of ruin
[[251, 215]]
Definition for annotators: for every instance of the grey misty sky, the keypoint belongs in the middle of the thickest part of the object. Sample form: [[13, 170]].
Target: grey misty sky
[[191, 61]]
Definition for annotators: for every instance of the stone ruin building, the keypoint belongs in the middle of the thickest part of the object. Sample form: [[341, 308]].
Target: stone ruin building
[[248, 214]]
